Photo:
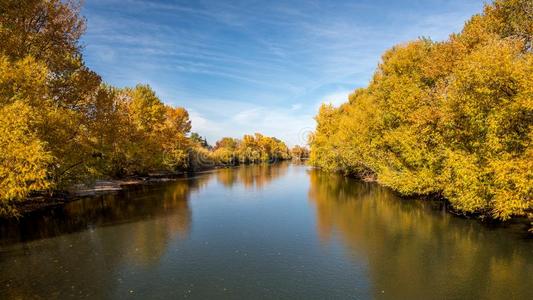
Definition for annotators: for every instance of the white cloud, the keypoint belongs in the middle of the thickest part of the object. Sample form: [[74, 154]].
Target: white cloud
[[296, 106], [273, 66], [335, 98], [217, 118], [285, 124]]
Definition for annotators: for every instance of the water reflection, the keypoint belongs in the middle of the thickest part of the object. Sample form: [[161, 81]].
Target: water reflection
[[252, 176], [160, 214], [135, 203], [102, 240], [306, 235], [413, 244], [129, 205]]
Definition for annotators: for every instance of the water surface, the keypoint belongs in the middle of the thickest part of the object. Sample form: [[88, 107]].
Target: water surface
[[281, 231]]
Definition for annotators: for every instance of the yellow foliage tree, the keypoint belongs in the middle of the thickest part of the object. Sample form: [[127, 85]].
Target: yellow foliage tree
[[72, 128], [24, 161], [452, 118]]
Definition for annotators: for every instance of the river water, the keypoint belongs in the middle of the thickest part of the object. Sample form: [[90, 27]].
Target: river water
[[261, 232]]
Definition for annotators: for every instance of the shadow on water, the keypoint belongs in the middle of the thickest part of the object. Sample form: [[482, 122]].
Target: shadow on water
[[132, 204], [279, 231], [252, 176], [414, 243], [71, 259], [62, 244]]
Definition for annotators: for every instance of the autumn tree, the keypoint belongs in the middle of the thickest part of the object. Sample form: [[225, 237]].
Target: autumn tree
[[174, 141], [47, 33], [299, 153], [60, 124], [24, 160], [197, 139], [451, 118]]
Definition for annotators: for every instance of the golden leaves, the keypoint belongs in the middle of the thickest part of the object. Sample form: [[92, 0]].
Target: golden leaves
[[453, 117]]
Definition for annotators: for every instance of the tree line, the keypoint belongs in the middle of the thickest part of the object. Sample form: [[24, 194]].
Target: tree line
[[451, 118], [60, 124], [256, 148]]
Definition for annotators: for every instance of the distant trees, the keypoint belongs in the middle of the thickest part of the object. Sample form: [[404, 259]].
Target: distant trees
[[299, 152], [453, 118], [255, 148], [225, 151], [200, 141]]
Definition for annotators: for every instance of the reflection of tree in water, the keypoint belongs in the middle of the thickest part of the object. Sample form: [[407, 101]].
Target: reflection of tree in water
[[409, 244], [150, 239], [159, 214], [252, 176], [130, 205]]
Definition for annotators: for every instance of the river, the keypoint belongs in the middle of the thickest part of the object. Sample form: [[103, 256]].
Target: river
[[261, 232]]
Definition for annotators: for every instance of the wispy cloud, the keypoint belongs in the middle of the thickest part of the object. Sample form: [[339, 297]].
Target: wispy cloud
[[244, 66], [282, 123]]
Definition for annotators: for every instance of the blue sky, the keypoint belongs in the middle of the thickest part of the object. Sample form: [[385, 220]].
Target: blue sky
[[256, 66]]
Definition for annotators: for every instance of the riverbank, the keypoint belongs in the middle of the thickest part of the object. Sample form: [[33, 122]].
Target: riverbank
[[103, 187], [484, 218], [341, 238], [43, 200]]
